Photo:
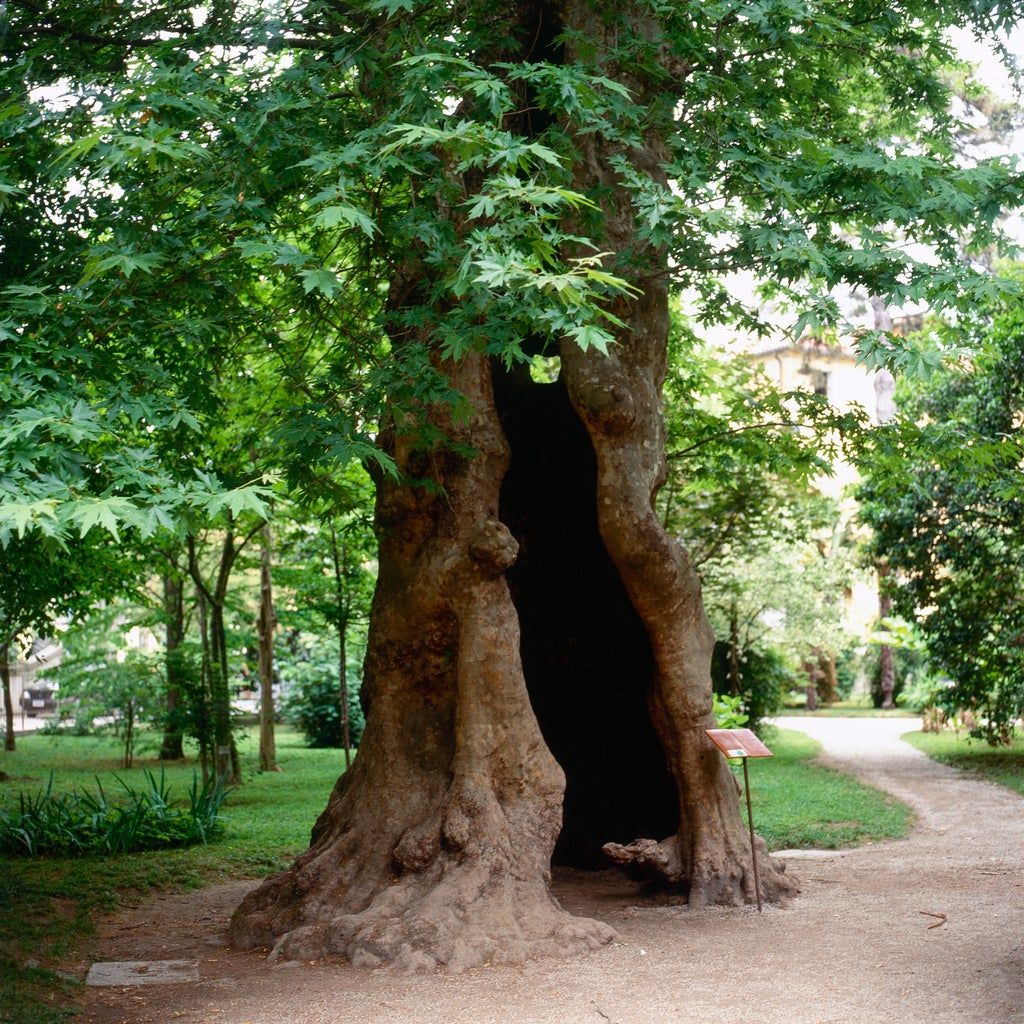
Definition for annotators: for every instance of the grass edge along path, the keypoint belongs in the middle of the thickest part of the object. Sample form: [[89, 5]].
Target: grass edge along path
[[48, 904], [1001, 765], [801, 804]]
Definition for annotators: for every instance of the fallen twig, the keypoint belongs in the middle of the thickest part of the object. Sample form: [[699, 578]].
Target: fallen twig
[[939, 923]]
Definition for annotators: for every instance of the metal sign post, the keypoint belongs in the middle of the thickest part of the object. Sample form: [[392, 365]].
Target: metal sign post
[[742, 743]]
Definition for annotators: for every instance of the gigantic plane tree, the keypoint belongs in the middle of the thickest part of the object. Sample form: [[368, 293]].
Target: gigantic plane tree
[[420, 209]]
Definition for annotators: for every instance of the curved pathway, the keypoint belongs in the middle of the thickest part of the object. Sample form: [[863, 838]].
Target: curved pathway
[[854, 948]]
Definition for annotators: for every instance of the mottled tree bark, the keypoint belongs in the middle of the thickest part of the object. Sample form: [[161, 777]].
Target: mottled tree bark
[[435, 848], [813, 673], [828, 677]]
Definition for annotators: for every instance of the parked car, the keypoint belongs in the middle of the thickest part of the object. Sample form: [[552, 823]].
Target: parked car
[[38, 700]]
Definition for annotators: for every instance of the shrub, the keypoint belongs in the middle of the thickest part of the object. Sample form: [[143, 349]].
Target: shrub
[[729, 712], [765, 679], [81, 822], [313, 704]]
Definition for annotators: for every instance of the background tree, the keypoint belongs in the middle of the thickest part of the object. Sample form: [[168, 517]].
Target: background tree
[[943, 496], [43, 583], [329, 579], [109, 682]]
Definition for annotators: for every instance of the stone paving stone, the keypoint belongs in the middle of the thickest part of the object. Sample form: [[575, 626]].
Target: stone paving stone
[[143, 972]]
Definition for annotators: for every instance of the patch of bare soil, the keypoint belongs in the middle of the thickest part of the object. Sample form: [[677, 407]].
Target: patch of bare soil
[[929, 930]]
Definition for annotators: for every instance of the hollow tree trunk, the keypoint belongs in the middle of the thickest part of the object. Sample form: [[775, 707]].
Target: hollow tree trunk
[[5, 680], [174, 635], [435, 848], [618, 398], [265, 629]]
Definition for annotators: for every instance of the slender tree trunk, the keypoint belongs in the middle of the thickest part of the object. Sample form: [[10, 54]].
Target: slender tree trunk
[[265, 628], [346, 724], [225, 752], [129, 734], [5, 679], [174, 635], [811, 671], [203, 717], [338, 556], [735, 675], [828, 678], [886, 666], [435, 848], [885, 412]]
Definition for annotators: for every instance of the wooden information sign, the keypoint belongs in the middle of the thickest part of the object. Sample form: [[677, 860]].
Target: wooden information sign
[[738, 743], [744, 744]]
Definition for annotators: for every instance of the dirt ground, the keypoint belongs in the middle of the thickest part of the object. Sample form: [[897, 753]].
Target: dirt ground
[[855, 948]]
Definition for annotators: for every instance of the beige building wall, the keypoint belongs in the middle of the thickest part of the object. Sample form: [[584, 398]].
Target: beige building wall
[[832, 371]]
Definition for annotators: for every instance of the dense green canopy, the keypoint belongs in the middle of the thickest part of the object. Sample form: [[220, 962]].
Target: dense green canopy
[[202, 202]]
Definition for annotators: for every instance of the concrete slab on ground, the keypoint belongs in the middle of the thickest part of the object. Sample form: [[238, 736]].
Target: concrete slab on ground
[[116, 973]]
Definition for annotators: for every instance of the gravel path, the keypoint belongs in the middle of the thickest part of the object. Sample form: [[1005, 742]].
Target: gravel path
[[854, 948]]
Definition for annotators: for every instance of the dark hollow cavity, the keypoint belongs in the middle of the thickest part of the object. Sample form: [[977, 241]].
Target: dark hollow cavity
[[586, 656]]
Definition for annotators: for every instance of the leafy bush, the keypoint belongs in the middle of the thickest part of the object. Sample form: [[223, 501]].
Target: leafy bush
[[729, 713], [313, 704], [765, 678], [81, 822]]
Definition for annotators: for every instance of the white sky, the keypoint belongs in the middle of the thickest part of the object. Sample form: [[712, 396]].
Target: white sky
[[991, 72]]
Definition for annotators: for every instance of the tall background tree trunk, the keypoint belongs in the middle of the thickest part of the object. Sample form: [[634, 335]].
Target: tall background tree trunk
[[5, 680], [204, 724], [886, 665], [885, 412], [225, 752], [171, 748], [828, 677], [265, 628], [342, 601]]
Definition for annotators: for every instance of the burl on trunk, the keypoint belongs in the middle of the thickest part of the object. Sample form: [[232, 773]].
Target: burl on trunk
[[537, 672]]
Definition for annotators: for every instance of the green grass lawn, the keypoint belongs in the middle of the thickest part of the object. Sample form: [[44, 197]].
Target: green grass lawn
[[48, 904], [800, 804], [1004, 765]]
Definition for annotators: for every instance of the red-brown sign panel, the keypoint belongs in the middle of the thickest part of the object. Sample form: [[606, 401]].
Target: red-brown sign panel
[[738, 743]]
